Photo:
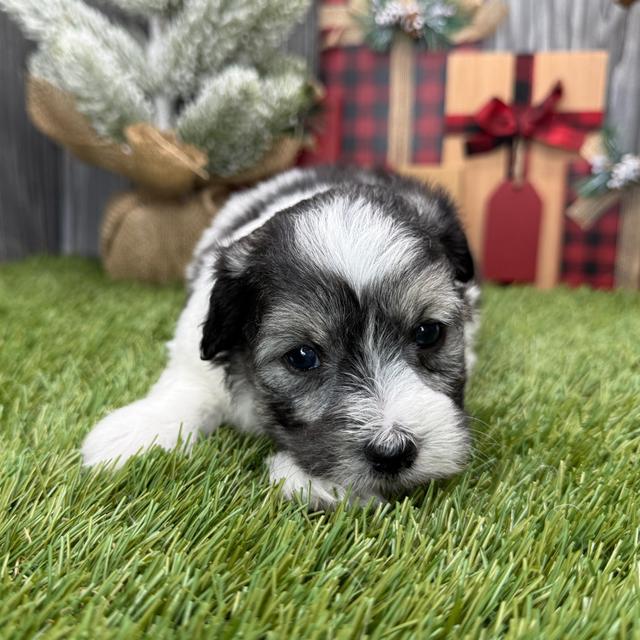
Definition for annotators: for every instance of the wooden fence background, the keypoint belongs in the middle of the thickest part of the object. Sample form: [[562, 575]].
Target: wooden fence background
[[50, 202]]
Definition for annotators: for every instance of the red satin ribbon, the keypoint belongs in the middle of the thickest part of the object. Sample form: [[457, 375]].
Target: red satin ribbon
[[499, 123]]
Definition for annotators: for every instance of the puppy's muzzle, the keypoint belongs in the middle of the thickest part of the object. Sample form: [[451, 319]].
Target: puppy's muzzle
[[393, 455]]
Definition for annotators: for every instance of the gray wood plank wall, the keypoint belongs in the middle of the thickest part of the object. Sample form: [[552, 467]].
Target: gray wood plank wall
[[50, 202], [30, 165]]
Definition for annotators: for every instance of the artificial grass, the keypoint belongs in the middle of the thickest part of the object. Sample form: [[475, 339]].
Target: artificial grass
[[537, 539]]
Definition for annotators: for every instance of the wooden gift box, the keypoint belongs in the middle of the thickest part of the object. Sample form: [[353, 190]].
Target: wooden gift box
[[473, 79]]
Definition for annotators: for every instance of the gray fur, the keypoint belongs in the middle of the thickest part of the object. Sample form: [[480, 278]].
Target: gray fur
[[292, 288]]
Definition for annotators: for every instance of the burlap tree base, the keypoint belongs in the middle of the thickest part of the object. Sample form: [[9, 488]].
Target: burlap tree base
[[150, 238]]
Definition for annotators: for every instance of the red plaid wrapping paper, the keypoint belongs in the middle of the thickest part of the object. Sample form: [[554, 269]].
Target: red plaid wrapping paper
[[362, 77], [397, 124], [428, 110], [589, 256]]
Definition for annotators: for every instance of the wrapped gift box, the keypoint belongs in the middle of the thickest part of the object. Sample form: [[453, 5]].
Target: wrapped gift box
[[602, 240], [589, 254], [392, 103], [363, 78], [517, 231]]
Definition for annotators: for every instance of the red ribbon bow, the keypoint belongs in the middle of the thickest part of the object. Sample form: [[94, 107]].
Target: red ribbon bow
[[499, 123]]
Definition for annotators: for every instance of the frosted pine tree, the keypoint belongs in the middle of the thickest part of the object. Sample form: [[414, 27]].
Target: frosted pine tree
[[211, 70]]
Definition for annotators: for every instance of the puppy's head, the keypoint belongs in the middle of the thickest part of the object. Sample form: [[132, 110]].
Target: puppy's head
[[341, 321]]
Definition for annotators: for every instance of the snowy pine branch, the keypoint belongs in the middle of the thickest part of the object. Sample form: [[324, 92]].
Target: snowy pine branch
[[43, 20], [76, 63], [270, 29], [199, 41], [276, 63], [238, 115], [146, 7], [85, 54], [39, 19], [210, 34], [228, 121]]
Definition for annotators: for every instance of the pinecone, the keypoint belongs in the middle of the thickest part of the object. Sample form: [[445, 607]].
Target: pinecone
[[412, 21]]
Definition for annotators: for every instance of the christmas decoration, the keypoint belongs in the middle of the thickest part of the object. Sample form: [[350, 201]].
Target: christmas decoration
[[207, 70], [188, 94], [615, 180], [523, 119], [431, 22], [393, 104], [611, 169], [510, 247]]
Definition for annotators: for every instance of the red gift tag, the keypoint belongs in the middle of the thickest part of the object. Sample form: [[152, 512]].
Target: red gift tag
[[512, 233]]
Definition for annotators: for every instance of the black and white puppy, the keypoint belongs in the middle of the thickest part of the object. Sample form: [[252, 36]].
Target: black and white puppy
[[333, 310]]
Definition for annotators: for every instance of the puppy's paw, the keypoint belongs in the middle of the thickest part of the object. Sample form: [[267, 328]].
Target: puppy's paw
[[133, 429], [319, 493]]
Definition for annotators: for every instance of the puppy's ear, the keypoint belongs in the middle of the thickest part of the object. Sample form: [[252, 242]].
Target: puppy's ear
[[438, 215], [456, 247], [231, 304], [454, 240]]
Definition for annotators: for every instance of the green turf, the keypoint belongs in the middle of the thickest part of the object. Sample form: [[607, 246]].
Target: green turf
[[538, 539]]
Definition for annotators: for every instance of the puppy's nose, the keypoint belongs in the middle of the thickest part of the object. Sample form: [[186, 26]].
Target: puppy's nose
[[391, 460]]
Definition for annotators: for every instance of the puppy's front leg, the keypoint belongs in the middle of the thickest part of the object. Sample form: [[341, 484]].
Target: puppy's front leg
[[190, 397]]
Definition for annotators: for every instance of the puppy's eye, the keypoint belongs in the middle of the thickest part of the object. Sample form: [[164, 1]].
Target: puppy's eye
[[303, 358], [429, 334]]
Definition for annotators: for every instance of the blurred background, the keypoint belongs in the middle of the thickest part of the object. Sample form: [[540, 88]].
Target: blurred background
[[52, 202]]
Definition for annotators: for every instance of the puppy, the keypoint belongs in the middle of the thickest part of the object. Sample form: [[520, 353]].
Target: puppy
[[333, 310]]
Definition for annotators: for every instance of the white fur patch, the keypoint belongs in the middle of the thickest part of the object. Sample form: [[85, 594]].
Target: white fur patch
[[432, 418], [349, 238], [397, 399], [136, 428], [189, 398]]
